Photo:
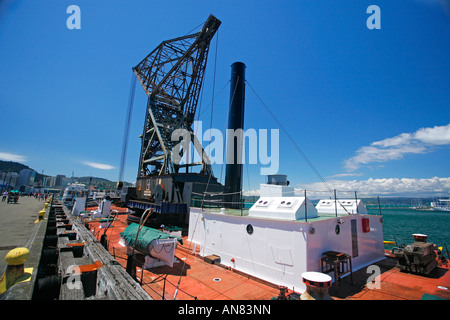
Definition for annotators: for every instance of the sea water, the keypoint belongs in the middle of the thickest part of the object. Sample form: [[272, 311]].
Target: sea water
[[401, 223]]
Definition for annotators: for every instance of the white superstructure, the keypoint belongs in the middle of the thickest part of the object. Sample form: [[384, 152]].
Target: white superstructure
[[275, 242], [74, 190], [341, 207]]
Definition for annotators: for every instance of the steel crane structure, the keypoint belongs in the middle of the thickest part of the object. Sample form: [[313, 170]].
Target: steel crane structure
[[172, 77]]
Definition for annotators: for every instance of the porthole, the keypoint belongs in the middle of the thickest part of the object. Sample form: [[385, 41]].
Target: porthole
[[337, 229], [249, 229]]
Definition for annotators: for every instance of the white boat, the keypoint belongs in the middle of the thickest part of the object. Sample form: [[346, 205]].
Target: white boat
[[420, 206], [441, 205], [74, 190]]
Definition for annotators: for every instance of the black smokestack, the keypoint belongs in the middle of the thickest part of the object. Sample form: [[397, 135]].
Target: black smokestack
[[234, 153]]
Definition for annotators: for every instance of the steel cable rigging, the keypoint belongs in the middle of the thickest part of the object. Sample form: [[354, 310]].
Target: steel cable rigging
[[126, 130]]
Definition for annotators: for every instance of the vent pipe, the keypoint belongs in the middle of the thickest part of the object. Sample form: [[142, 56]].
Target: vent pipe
[[235, 136]]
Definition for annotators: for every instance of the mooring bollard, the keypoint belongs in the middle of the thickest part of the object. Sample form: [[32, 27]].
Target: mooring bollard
[[41, 215], [15, 270], [317, 285]]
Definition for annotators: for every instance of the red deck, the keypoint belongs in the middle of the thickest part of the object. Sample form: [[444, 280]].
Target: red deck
[[197, 279], [396, 285]]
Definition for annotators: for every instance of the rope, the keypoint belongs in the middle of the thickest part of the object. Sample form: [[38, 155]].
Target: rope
[[189, 32], [215, 194], [296, 146], [127, 126], [184, 261], [147, 213], [291, 139], [212, 104], [214, 84], [112, 221]]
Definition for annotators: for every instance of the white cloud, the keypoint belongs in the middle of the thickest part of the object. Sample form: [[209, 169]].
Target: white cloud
[[374, 187], [436, 135], [6, 156], [383, 187], [340, 175], [249, 193], [421, 141], [98, 165]]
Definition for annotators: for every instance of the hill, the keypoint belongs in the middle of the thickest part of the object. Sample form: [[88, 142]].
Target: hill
[[100, 183], [96, 182], [10, 166]]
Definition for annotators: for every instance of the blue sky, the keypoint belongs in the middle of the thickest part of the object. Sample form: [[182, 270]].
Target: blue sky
[[369, 108]]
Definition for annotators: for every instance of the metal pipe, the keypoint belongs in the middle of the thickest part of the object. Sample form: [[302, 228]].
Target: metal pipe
[[335, 203], [234, 153], [379, 205]]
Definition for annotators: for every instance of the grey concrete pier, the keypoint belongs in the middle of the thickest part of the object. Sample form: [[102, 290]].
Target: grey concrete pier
[[18, 229], [17, 224], [68, 262]]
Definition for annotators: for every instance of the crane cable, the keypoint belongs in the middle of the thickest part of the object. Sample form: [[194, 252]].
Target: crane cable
[[313, 168], [126, 130], [210, 173], [212, 104]]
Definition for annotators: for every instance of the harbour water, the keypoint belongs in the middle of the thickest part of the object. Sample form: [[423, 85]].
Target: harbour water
[[400, 223]]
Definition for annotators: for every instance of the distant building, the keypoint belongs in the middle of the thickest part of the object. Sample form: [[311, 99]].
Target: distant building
[[59, 181], [32, 178], [48, 181], [8, 180], [26, 177], [11, 178]]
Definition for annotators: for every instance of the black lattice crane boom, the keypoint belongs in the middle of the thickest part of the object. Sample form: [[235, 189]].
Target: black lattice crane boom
[[172, 77]]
